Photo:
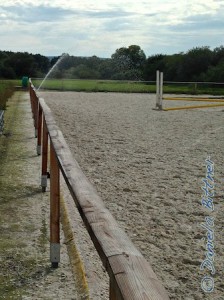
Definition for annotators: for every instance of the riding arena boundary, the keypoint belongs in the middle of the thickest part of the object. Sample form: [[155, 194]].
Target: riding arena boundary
[[131, 276], [213, 101]]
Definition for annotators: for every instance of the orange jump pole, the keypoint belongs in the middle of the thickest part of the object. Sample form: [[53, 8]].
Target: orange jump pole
[[193, 99], [193, 106]]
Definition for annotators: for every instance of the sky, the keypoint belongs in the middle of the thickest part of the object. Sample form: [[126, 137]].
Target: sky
[[99, 27]]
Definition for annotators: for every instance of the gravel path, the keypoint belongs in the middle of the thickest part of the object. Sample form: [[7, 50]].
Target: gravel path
[[148, 166]]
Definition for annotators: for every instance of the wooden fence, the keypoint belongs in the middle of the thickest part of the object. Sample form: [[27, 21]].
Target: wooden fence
[[1, 121], [131, 276]]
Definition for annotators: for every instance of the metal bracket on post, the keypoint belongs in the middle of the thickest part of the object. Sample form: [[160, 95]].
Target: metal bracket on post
[[54, 254], [38, 149], [44, 182]]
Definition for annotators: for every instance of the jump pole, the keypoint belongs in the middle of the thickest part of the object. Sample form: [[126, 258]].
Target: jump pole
[[193, 106], [193, 99], [159, 98]]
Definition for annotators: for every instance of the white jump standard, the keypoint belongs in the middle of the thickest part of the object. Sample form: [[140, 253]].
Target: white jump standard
[[214, 102]]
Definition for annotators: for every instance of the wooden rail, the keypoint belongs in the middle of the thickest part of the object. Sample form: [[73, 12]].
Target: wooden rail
[[131, 276]]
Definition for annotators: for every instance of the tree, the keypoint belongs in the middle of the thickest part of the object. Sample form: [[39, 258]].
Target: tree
[[23, 64], [218, 55], [171, 66], [215, 73], [129, 59], [84, 72], [154, 63], [42, 63], [195, 62], [106, 69], [7, 72], [137, 56]]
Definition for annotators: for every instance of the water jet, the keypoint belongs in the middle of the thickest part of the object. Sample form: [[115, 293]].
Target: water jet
[[52, 69]]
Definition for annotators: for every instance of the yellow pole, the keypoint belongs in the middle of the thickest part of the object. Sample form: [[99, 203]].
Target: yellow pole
[[193, 106], [194, 99]]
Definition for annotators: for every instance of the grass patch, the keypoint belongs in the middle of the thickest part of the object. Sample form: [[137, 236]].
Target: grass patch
[[22, 259], [194, 89], [95, 86], [6, 91], [127, 86], [20, 271]]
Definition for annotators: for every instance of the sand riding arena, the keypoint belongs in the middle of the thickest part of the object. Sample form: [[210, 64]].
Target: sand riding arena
[[148, 166]]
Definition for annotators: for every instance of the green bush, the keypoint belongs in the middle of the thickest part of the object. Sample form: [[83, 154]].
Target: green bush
[[6, 90]]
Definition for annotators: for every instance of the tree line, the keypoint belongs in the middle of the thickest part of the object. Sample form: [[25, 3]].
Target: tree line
[[126, 63]]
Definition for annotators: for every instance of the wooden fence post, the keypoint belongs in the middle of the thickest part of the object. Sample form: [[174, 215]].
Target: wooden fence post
[[114, 291], [44, 157], [32, 96], [54, 210], [39, 129], [35, 113]]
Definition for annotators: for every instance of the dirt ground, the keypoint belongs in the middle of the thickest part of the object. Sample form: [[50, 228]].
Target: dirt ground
[[148, 166]]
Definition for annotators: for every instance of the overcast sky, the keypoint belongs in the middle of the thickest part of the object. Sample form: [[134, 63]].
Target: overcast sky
[[99, 27]]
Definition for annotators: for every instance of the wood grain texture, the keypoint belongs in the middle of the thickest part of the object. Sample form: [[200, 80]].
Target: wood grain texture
[[135, 277], [130, 274], [35, 99], [54, 198], [44, 149], [115, 293], [39, 133]]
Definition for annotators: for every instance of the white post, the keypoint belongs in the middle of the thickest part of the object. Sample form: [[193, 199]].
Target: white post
[[157, 88], [161, 91]]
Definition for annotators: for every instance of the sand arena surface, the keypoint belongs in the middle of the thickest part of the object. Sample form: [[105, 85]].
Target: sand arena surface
[[148, 168]]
